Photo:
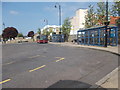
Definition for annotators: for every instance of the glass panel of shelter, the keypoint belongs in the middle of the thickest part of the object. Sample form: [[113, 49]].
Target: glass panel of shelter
[[96, 36]]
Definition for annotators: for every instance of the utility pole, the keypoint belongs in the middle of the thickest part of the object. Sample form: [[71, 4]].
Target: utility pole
[[60, 31], [3, 25], [2, 32], [45, 20], [59, 6], [106, 24]]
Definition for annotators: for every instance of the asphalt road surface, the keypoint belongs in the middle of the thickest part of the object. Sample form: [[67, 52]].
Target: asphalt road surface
[[32, 65]]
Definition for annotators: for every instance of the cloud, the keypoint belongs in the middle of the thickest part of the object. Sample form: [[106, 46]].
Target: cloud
[[14, 12]]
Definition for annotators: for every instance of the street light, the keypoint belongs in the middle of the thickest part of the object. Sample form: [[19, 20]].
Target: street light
[[59, 14], [3, 25], [106, 24], [45, 20]]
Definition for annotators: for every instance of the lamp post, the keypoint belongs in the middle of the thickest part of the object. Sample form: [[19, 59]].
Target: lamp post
[[45, 20], [3, 25], [59, 14], [2, 32], [106, 24]]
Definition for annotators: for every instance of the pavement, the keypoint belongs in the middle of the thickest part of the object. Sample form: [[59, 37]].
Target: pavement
[[111, 80]]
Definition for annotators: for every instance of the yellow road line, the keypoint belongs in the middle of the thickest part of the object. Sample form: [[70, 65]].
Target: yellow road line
[[37, 68], [43, 56], [34, 56], [37, 56], [57, 57], [60, 59], [5, 81], [8, 63]]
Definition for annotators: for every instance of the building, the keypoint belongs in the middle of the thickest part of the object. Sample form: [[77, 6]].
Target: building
[[78, 21], [113, 20], [52, 28]]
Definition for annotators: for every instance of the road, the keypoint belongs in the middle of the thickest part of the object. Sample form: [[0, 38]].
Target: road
[[32, 65]]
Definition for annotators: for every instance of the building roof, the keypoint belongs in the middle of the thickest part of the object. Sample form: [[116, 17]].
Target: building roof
[[96, 28], [48, 26], [113, 19], [81, 9]]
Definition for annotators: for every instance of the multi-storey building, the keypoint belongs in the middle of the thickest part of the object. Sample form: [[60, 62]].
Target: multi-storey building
[[78, 21]]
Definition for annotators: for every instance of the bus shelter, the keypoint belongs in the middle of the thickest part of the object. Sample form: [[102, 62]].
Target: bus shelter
[[57, 38], [96, 36]]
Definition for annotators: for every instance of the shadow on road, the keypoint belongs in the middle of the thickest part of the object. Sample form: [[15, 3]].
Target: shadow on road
[[65, 85], [71, 84]]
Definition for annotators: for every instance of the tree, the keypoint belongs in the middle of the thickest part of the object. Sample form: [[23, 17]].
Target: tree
[[96, 18], [90, 18], [116, 12], [66, 27], [101, 12], [116, 8], [9, 32], [20, 35], [118, 23], [31, 34], [39, 31], [47, 32]]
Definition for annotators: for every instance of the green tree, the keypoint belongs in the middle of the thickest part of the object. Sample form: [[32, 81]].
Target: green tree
[[20, 35], [39, 31], [51, 30], [101, 12], [116, 8], [66, 27], [47, 31], [90, 17], [116, 12]]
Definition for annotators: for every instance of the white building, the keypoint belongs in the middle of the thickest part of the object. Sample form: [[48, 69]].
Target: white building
[[78, 21], [54, 28]]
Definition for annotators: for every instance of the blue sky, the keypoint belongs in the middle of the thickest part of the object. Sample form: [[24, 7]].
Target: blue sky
[[27, 16]]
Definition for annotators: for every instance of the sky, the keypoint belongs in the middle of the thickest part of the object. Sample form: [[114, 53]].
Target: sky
[[29, 16]]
